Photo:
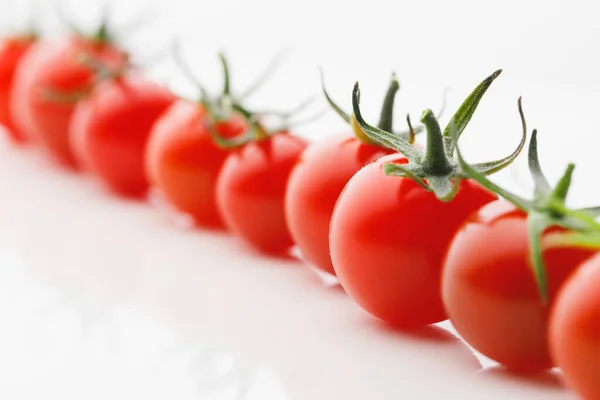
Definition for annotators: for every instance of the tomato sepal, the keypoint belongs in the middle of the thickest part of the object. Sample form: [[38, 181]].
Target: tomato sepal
[[101, 74], [386, 114], [547, 209], [404, 171], [463, 115], [435, 168], [537, 223], [589, 240]]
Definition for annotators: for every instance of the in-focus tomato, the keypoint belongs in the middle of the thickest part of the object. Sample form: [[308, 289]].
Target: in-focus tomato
[[251, 189], [574, 333], [314, 187], [110, 129], [388, 239], [12, 51], [490, 290], [56, 67], [183, 161]]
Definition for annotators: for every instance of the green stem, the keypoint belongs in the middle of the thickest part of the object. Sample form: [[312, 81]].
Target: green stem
[[387, 109], [435, 160], [225, 66]]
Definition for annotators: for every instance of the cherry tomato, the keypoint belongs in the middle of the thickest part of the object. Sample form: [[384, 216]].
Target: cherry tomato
[[184, 163], [490, 292], [55, 66], [110, 128], [251, 189], [12, 51], [574, 333], [388, 239], [314, 187]]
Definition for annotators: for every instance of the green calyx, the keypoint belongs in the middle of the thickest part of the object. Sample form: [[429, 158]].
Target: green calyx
[[223, 106], [101, 73], [386, 115], [436, 169], [102, 35], [546, 209]]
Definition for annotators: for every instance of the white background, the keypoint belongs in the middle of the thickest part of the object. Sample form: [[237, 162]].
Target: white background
[[107, 299]]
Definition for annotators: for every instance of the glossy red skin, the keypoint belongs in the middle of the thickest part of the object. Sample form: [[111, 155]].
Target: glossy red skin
[[251, 189], [314, 187], [490, 292], [110, 129], [54, 65], [574, 333], [12, 51], [388, 239], [183, 161]]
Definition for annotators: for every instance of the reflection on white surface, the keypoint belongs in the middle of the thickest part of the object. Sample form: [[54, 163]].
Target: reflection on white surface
[[52, 344], [101, 298]]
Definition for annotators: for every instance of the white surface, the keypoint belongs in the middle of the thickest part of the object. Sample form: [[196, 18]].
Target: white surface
[[102, 298], [105, 299]]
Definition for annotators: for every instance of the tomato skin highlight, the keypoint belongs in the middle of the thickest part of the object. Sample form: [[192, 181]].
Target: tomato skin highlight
[[490, 292], [54, 65], [110, 129], [12, 51], [251, 190], [388, 239], [574, 333], [314, 187], [184, 162]]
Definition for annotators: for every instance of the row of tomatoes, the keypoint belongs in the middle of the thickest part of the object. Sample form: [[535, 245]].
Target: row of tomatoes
[[415, 237]]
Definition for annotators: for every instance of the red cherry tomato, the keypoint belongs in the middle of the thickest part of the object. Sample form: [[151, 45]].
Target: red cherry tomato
[[490, 292], [388, 239], [251, 189], [55, 66], [110, 128], [574, 333], [184, 163], [12, 51], [314, 187]]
